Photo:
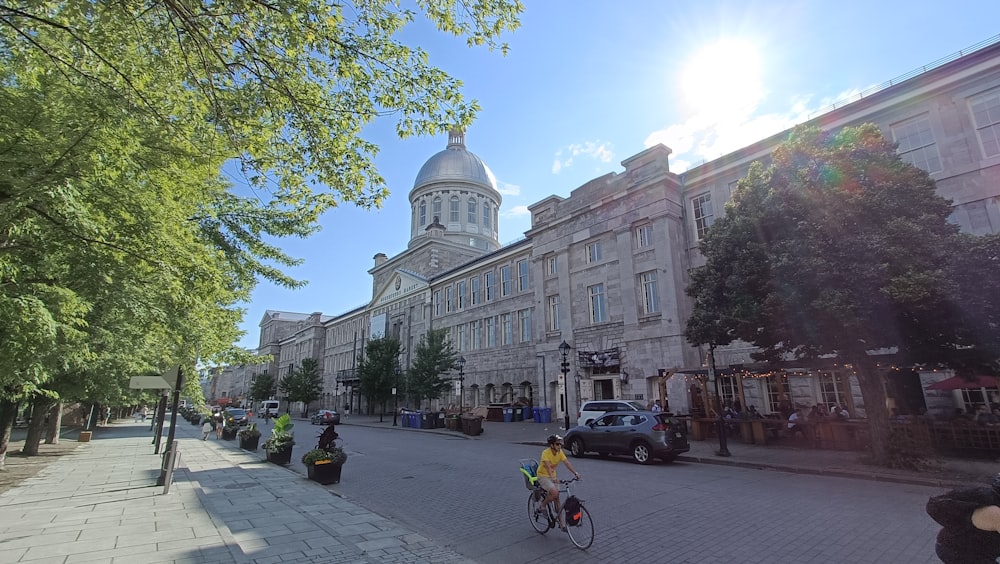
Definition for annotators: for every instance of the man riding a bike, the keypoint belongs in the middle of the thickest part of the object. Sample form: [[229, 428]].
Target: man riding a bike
[[550, 459]]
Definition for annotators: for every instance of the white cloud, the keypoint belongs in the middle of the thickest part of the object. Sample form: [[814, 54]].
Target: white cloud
[[594, 150], [508, 189], [517, 211]]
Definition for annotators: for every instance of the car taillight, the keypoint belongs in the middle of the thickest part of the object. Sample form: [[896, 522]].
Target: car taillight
[[661, 427]]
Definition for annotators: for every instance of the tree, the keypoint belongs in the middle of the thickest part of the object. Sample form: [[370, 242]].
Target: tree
[[304, 385], [434, 358], [377, 370], [263, 387], [838, 247]]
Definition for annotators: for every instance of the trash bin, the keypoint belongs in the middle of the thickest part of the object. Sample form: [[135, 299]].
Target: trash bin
[[414, 420], [546, 414], [518, 414], [404, 419], [508, 414], [536, 414], [526, 413], [472, 425], [427, 420], [439, 421], [451, 422]]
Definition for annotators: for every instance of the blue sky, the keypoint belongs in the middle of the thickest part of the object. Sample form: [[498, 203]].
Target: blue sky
[[589, 83]]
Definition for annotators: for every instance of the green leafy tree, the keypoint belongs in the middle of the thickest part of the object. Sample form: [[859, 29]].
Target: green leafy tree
[[435, 357], [377, 371], [263, 387], [838, 247], [304, 384]]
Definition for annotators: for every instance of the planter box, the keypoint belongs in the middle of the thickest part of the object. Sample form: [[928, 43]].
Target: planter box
[[249, 443], [84, 437], [229, 435], [325, 474], [282, 457]]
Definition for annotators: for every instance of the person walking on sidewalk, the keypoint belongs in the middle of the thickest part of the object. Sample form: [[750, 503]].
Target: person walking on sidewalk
[[206, 428]]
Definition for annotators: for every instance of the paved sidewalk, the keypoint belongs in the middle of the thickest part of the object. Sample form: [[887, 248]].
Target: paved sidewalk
[[99, 503]]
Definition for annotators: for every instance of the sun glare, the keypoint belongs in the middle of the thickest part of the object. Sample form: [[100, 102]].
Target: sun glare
[[723, 78]]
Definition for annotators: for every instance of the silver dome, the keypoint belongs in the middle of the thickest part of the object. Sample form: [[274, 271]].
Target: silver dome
[[455, 164]]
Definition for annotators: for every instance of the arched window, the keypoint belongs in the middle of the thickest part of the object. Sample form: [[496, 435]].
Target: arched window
[[473, 212], [453, 210], [423, 212], [436, 208], [486, 215]]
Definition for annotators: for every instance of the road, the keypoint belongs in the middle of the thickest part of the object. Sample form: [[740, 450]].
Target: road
[[469, 496]]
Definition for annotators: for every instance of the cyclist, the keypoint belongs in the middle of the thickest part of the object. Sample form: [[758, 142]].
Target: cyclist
[[551, 457]]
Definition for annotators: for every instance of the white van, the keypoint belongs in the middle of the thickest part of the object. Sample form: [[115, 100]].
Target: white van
[[268, 408]]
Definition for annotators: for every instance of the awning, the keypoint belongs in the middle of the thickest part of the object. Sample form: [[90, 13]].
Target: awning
[[961, 383]]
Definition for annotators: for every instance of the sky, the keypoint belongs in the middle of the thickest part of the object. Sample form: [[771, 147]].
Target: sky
[[588, 83]]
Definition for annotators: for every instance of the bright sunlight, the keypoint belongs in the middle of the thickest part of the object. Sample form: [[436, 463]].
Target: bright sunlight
[[723, 78]]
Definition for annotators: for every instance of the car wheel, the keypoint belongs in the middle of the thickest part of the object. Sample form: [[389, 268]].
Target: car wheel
[[641, 453], [576, 448]]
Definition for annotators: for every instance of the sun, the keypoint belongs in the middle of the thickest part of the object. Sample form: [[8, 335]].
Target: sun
[[723, 78]]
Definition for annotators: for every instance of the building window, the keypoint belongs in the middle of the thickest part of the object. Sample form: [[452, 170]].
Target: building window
[[461, 294], [703, 218], [473, 212], [437, 303], [490, 286], [729, 389], [650, 293], [423, 213], [505, 280], [491, 331], [594, 252], [833, 389], [644, 236], [474, 333], [524, 320], [453, 209], [986, 116], [598, 314], [486, 215], [461, 338], [777, 391], [474, 289], [522, 275], [551, 265], [553, 312], [449, 299], [436, 209], [916, 143], [508, 329]]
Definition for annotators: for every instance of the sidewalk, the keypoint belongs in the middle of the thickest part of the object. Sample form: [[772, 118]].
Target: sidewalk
[[99, 503]]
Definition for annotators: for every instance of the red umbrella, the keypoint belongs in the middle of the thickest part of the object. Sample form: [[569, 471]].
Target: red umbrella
[[960, 383]]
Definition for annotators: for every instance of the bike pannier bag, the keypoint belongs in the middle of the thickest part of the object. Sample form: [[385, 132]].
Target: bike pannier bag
[[573, 511]]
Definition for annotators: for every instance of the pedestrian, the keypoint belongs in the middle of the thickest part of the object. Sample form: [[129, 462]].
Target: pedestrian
[[347, 411], [657, 408], [970, 521], [219, 424], [144, 412], [106, 415], [206, 428]]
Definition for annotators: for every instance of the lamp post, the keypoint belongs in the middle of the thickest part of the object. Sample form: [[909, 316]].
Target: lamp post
[[395, 399], [723, 446], [461, 383], [564, 349]]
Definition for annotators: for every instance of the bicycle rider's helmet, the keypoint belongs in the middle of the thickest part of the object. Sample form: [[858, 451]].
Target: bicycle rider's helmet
[[553, 439]]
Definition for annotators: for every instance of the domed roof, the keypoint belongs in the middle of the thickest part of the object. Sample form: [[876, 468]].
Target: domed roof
[[455, 164]]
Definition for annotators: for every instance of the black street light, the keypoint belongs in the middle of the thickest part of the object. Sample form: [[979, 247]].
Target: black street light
[[461, 383], [564, 349], [721, 425], [395, 399]]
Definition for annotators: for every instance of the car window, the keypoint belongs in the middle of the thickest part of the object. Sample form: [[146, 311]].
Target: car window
[[636, 406], [605, 421], [633, 420]]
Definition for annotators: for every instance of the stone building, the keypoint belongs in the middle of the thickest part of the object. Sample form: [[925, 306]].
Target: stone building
[[604, 269]]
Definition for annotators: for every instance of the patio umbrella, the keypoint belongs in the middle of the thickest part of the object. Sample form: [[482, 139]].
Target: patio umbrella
[[960, 383]]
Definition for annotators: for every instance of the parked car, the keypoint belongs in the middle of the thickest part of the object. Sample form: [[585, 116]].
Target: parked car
[[325, 417], [237, 414], [643, 435], [593, 409]]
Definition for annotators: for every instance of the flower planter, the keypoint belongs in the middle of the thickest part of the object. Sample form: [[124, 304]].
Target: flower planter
[[325, 474], [282, 457], [249, 443], [229, 434]]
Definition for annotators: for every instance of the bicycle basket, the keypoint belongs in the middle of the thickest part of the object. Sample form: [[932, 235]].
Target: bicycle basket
[[529, 470]]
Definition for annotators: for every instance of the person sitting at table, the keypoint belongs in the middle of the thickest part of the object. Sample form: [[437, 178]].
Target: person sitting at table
[[841, 413], [816, 413], [796, 423], [753, 413]]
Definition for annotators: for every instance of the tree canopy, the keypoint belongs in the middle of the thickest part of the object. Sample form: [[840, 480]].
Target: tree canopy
[[305, 384], [377, 370], [840, 248], [434, 358]]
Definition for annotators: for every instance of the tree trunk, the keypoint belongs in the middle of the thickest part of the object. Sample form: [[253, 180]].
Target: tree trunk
[[8, 414], [873, 391], [39, 407], [53, 424]]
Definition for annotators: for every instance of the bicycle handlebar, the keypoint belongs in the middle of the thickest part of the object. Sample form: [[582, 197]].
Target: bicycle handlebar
[[566, 482]]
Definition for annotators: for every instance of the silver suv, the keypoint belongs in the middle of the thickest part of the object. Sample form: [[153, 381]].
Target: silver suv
[[593, 409]]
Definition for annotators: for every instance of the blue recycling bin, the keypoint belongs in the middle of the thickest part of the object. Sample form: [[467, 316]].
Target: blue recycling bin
[[525, 413], [536, 414], [546, 414], [508, 414], [414, 420], [404, 420]]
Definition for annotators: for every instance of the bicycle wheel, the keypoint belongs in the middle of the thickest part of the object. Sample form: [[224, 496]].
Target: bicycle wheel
[[582, 534], [537, 514]]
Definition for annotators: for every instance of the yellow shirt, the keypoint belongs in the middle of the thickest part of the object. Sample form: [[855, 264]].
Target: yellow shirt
[[553, 459]]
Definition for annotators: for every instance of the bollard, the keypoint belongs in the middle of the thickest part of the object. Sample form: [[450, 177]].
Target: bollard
[[172, 455]]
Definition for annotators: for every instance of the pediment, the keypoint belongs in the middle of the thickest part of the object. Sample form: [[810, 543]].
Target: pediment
[[400, 285]]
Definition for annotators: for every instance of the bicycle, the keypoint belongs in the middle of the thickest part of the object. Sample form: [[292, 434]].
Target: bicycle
[[579, 526]]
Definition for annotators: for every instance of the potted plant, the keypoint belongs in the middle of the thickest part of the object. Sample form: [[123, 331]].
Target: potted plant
[[229, 429], [279, 445], [325, 462], [249, 437]]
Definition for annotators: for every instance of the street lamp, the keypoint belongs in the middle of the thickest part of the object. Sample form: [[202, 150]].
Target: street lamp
[[564, 349], [461, 383], [395, 399], [723, 446]]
